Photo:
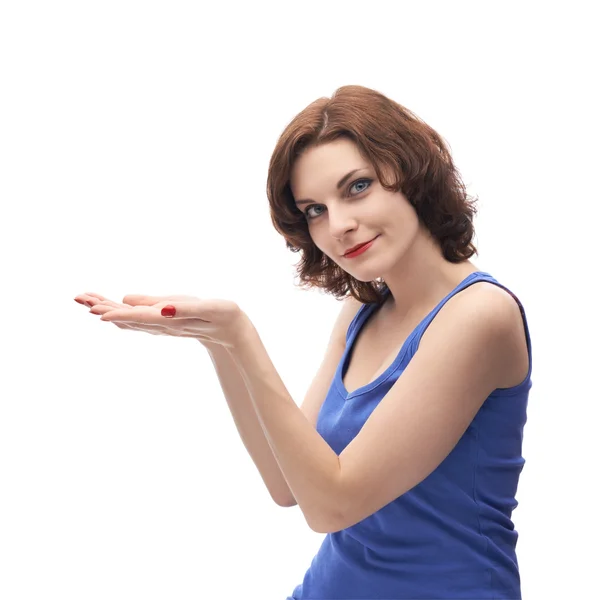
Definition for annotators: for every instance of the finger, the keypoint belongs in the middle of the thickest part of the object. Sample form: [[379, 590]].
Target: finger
[[143, 316], [100, 309], [145, 300], [89, 299], [109, 304], [114, 305], [86, 299], [146, 329], [203, 310], [153, 329], [141, 300], [147, 318], [126, 319], [137, 326], [83, 300]]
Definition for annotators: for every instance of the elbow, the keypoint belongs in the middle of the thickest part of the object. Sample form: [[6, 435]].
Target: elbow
[[328, 524], [325, 528], [320, 529], [286, 503], [316, 525]]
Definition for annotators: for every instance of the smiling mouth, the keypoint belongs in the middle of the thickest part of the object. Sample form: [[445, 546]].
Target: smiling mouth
[[357, 248]]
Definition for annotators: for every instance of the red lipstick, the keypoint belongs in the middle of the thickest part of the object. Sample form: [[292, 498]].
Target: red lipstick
[[360, 250]]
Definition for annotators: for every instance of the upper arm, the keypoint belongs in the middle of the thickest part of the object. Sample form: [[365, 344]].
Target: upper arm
[[427, 410], [335, 349]]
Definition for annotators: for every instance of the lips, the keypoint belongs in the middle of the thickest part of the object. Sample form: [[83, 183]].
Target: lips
[[359, 246]]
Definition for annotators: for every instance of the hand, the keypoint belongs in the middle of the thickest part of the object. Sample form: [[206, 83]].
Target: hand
[[211, 321]]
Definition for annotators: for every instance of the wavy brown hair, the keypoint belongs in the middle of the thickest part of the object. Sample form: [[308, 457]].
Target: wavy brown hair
[[392, 139]]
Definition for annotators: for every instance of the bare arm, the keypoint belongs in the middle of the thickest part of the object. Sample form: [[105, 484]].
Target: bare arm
[[244, 412], [248, 425], [309, 464]]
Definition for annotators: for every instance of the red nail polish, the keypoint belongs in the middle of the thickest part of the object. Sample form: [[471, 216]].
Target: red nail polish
[[168, 311], [80, 301]]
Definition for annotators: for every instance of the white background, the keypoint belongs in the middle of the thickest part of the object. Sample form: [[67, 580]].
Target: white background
[[134, 144]]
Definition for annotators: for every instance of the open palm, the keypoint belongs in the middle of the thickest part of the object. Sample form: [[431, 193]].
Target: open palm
[[213, 321]]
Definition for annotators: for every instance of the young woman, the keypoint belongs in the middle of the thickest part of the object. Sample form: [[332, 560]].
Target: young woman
[[406, 450]]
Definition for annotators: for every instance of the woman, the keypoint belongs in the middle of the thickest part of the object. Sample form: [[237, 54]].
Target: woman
[[406, 450]]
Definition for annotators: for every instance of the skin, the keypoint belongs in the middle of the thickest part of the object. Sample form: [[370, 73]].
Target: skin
[[405, 255], [331, 489], [213, 322]]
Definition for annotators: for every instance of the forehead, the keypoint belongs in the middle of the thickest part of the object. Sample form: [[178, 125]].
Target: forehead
[[324, 165]]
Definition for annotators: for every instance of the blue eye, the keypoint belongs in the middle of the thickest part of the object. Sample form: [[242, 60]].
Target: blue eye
[[363, 180]]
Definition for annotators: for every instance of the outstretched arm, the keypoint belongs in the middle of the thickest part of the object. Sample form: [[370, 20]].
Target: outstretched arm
[[467, 354], [310, 466]]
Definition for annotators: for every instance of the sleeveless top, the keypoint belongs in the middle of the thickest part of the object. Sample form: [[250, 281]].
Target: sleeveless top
[[450, 536]]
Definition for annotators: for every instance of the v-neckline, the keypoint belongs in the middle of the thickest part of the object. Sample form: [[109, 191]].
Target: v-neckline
[[364, 313]]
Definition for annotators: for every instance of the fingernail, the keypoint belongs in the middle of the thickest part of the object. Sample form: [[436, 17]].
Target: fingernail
[[168, 311]]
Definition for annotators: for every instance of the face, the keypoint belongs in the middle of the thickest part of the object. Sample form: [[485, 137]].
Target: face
[[356, 212]]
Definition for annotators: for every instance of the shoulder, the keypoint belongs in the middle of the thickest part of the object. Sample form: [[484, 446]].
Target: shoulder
[[484, 315], [495, 303], [487, 306]]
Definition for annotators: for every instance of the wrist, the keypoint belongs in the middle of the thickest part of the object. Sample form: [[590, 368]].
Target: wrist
[[244, 331]]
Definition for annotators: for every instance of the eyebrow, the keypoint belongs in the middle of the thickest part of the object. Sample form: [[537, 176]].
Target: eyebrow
[[340, 183]]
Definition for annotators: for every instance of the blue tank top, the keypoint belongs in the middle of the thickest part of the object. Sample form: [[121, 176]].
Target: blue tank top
[[450, 536]]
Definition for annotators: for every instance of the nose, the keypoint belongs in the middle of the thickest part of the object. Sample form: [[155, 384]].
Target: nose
[[340, 223]]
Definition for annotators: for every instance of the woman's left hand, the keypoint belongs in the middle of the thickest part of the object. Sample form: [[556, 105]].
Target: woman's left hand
[[212, 320]]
